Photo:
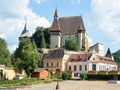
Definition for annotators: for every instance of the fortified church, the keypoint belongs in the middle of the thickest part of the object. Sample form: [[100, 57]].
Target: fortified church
[[64, 28], [87, 59]]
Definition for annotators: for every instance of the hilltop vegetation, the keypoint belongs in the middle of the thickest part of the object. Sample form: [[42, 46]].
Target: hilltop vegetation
[[117, 56]]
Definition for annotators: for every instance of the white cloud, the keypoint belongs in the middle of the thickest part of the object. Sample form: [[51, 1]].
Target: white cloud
[[39, 1], [76, 1], [12, 20], [106, 16]]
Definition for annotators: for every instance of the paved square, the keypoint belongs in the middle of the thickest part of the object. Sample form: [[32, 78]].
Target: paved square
[[76, 85]]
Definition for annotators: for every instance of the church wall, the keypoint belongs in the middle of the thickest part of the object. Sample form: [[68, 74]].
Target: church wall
[[66, 37], [55, 41], [80, 41]]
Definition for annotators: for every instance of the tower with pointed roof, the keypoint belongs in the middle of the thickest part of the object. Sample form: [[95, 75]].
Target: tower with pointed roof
[[25, 33], [109, 54], [55, 33]]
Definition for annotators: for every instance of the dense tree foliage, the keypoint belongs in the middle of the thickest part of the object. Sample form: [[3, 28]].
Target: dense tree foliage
[[26, 57], [117, 56], [4, 53], [42, 37], [71, 45], [46, 32]]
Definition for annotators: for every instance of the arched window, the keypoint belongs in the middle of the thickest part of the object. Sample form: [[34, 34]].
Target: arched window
[[51, 64], [47, 64], [57, 64], [80, 67], [75, 67], [94, 67], [69, 68]]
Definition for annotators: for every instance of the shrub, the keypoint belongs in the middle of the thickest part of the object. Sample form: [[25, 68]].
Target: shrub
[[82, 76], [69, 76], [101, 77], [64, 75]]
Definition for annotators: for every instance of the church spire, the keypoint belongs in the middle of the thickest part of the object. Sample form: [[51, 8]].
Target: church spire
[[25, 29], [55, 14], [25, 33], [55, 25], [109, 54]]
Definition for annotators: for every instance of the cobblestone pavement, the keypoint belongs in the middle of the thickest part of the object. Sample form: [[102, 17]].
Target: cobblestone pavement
[[75, 85]]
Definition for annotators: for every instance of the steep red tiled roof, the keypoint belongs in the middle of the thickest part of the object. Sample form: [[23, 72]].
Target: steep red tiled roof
[[68, 25], [55, 25], [71, 25]]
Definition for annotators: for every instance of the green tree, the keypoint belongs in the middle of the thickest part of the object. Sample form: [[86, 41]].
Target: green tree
[[42, 37], [46, 32], [4, 53], [117, 57], [26, 57], [71, 45]]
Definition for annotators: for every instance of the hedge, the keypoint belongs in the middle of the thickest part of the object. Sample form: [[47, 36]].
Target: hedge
[[101, 77]]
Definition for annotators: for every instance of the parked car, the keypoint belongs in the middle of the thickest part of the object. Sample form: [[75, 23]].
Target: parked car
[[19, 77]]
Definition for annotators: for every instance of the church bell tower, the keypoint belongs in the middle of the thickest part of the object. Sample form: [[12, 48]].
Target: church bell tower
[[55, 33]]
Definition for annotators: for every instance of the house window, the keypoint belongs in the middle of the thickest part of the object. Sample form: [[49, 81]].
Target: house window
[[94, 67], [85, 67], [69, 68], [57, 64], [51, 64], [104, 67], [74, 67], [100, 67], [80, 67], [47, 64]]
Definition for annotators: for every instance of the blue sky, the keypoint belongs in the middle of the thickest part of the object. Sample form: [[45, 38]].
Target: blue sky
[[101, 18]]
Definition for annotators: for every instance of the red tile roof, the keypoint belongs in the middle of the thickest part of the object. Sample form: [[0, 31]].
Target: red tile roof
[[79, 57], [105, 59], [68, 25]]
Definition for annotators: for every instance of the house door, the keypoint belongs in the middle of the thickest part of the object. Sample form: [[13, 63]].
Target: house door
[[57, 71]]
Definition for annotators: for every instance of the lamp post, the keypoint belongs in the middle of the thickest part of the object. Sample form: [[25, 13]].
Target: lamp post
[[57, 86], [87, 62]]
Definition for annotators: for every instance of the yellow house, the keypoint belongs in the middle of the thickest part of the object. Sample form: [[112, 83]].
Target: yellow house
[[55, 60], [7, 73]]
